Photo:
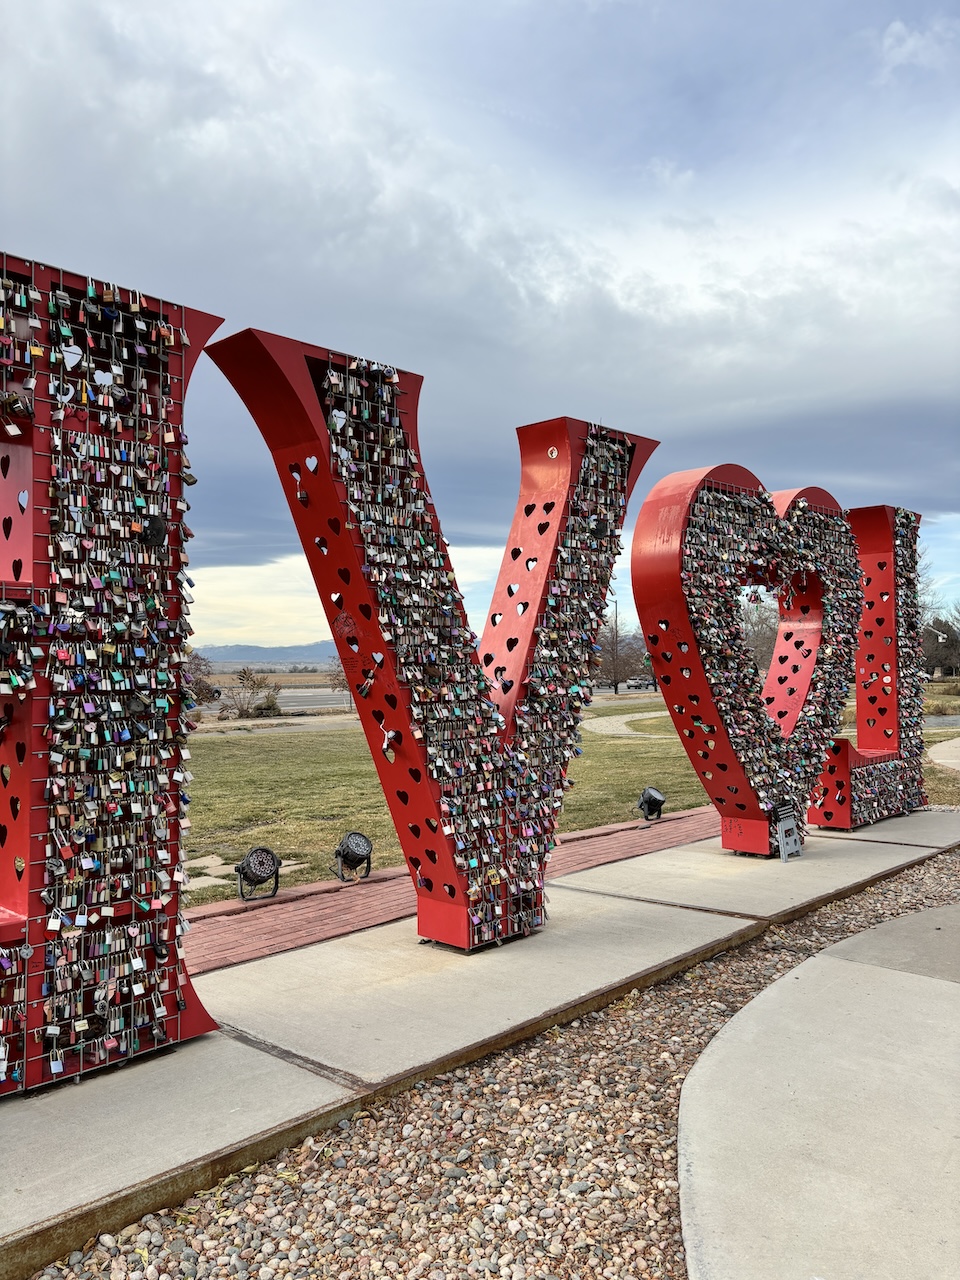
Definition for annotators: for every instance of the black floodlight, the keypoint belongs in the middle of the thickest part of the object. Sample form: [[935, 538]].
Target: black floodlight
[[651, 803], [353, 853], [257, 868]]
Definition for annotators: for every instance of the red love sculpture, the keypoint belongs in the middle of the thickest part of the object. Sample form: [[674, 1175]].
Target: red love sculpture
[[757, 744]]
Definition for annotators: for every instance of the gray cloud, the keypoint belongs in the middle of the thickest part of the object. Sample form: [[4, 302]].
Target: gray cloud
[[735, 233]]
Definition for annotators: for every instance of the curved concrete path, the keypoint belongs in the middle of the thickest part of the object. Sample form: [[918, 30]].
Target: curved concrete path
[[820, 1129], [616, 726], [946, 753]]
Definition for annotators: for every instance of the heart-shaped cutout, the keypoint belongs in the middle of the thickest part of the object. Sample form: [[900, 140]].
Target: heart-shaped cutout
[[72, 355], [4, 465], [312, 463], [773, 733], [103, 377], [531, 564], [516, 553], [7, 526], [338, 419]]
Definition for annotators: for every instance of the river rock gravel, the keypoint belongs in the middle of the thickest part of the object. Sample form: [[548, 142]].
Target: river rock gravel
[[556, 1158]]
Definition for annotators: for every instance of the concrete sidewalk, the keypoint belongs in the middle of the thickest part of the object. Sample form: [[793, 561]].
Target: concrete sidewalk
[[310, 1035], [836, 1150]]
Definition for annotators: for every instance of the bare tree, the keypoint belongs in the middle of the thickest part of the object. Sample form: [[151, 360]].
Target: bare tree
[[941, 644], [198, 675], [252, 696], [621, 653], [761, 618], [930, 597], [337, 680]]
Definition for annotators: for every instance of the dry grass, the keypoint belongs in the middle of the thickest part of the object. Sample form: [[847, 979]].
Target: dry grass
[[299, 792]]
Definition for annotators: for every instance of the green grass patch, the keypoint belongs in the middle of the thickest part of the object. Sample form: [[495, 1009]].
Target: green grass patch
[[655, 724], [624, 705], [298, 793]]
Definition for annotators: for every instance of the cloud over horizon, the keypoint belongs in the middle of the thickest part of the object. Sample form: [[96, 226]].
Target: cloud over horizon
[[733, 229]]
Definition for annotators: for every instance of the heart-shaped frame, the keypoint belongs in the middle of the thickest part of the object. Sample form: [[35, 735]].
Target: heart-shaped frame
[[756, 743]]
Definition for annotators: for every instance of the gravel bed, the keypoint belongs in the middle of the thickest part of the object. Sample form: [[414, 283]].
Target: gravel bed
[[554, 1159]]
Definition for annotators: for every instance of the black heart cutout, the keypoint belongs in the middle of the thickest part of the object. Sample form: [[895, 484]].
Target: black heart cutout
[[403, 797], [334, 524], [495, 619], [3, 835], [21, 752], [516, 553], [506, 685], [487, 659], [415, 774], [433, 824], [337, 600], [412, 826], [5, 465], [512, 644], [7, 526], [391, 701], [531, 564], [366, 611], [321, 543], [543, 527], [548, 507], [15, 803], [529, 509], [17, 567], [431, 854], [343, 575]]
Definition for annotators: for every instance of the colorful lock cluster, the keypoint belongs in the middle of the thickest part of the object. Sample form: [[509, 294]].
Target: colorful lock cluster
[[94, 581]]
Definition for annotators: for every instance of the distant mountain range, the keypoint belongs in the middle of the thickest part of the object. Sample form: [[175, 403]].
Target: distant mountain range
[[320, 651]]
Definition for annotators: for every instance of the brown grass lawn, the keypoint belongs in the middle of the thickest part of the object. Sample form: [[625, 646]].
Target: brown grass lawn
[[299, 793]]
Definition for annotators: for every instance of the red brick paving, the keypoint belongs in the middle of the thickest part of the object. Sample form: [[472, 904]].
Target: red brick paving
[[228, 933]]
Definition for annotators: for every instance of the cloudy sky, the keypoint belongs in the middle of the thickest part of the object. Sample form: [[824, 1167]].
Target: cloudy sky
[[733, 227]]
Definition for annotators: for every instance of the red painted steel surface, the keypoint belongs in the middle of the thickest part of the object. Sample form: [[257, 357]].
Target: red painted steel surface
[[292, 389]]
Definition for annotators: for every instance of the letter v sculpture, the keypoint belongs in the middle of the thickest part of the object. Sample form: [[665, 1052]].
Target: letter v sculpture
[[471, 746]]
